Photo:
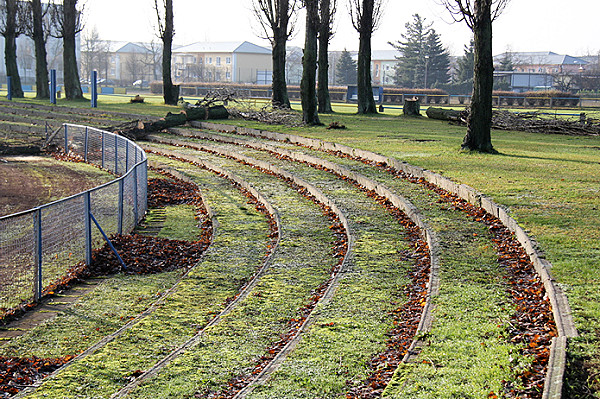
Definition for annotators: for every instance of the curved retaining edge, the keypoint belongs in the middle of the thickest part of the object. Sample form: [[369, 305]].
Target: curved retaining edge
[[315, 192], [398, 201], [560, 306], [242, 294]]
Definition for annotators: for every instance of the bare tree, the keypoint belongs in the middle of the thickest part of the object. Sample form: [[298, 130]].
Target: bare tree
[[276, 19], [153, 59], [11, 27], [365, 15], [134, 67], [479, 15], [327, 9], [293, 66], [93, 53], [164, 15], [308, 92], [67, 22], [38, 29]]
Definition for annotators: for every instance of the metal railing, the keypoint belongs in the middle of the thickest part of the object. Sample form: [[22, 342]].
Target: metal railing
[[39, 246]]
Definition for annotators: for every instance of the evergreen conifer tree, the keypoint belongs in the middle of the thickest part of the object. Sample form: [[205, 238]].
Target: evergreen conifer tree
[[346, 69], [466, 64], [424, 60]]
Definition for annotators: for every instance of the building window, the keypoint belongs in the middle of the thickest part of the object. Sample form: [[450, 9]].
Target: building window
[[218, 60], [228, 60], [210, 60], [218, 76], [228, 75], [200, 60]]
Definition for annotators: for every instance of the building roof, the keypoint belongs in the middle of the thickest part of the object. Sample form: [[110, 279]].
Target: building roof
[[385, 55], [542, 58], [223, 47], [126, 47]]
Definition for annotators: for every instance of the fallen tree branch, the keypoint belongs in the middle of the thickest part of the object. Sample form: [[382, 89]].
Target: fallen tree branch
[[523, 121]]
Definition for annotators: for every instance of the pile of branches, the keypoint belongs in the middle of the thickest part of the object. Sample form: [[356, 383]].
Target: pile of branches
[[524, 121], [534, 122], [268, 115], [220, 96]]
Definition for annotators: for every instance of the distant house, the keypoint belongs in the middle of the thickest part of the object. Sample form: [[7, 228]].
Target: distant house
[[539, 70], [521, 82], [120, 63], [383, 67], [236, 62], [544, 62]]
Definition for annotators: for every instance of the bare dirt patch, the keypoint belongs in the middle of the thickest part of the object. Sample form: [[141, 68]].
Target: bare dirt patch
[[30, 181]]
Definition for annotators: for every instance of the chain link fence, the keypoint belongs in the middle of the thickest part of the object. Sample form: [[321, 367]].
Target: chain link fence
[[38, 246]]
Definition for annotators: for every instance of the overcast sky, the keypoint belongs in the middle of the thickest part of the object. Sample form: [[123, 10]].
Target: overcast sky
[[565, 27]]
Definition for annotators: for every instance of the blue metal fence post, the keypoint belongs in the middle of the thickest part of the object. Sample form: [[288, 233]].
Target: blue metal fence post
[[126, 157], [87, 208], [103, 150], [9, 87], [66, 138], [120, 212], [94, 89], [53, 86], [86, 145], [135, 196], [38, 258], [116, 154]]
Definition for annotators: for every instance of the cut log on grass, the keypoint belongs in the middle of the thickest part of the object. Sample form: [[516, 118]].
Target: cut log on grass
[[445, 114], [20, 149], [138, 130], [199, 112]]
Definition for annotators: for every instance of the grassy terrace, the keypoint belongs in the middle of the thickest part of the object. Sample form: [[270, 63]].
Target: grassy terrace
[[232, 347], [472, 315], [238, 250], [549, 183], [351, 329]]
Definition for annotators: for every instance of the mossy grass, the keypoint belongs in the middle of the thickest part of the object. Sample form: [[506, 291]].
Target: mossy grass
[[350, 329], [468, 262], [301, 263], [236, 251], [177, 222]]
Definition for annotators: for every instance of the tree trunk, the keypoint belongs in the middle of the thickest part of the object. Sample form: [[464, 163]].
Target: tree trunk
[[366, 103], [170, 91], [41, 62], [412, 107], [280, 95], [323, 96], [71, 71], [310, 115], [10, 48], [445, 114], [479, 122]]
